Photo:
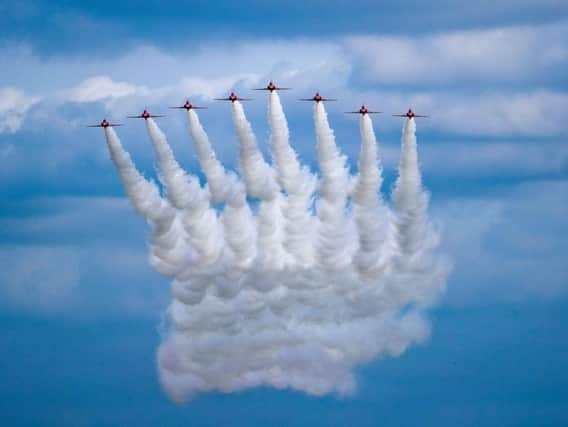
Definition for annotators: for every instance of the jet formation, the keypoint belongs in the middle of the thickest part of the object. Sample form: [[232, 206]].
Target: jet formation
[[271, 87]]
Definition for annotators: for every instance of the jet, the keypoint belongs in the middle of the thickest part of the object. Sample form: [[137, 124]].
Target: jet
[[363, 110], [189, 106], [317, 98], [410, 114], [145, 115], [272, 87], [233, 97], [105, 124]]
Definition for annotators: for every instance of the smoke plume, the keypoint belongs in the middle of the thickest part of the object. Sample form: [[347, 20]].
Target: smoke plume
[[322, 277]]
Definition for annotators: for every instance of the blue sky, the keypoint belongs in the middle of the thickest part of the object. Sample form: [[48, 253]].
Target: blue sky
[[79, 304]]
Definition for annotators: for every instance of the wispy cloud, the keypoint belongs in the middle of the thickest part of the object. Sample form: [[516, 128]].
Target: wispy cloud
[[14, 105], [486, 159], [100, 88], [504, 55], [495, 58]]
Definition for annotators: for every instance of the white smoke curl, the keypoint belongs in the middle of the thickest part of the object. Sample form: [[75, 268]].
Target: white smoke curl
[[317, 282]]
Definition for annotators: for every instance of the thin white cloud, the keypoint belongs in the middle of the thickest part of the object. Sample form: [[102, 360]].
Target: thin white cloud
[[500, 114], [492, 113], [123, 84], [152, 67], [14, 104], [482, 159], [102, 88], [503, 54]]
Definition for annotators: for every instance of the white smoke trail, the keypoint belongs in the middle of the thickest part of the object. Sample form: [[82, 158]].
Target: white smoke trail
[[411, 202], [261, 182], [334, 246], [144, 195], [185, 193], [257, 174], [205, 232], [416, 241], [298, 183], [369, 211], [221, 183], [346, 295], [290, 175], [169, 253], [237, 219]]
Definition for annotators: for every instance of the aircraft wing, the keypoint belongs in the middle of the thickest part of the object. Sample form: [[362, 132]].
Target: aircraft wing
[[419, 115], [399, 115], [193, 107], [111, 125], [277, 88], [359, 112], [328, 99], [229, 99]]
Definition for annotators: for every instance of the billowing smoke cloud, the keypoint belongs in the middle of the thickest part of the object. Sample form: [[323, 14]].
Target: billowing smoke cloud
[[323, 277], [169, 251]]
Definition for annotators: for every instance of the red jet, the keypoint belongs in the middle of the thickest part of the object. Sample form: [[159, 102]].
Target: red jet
[[105, 124], [363, 110], [233, 97], [272, 87], [317, 98], [145, 115], [410, 114], [189, 106]]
